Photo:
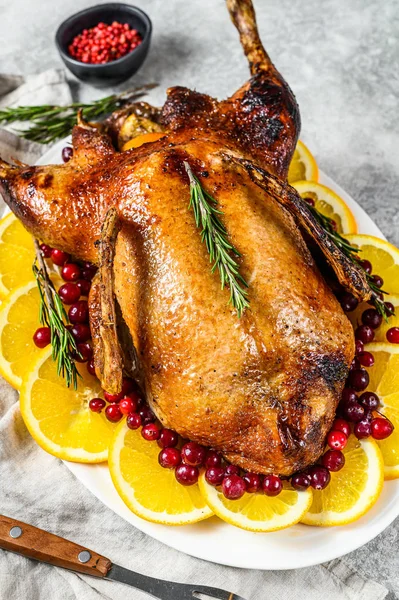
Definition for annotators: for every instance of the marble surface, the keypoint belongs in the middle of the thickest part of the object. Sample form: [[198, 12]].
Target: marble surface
[[341, 59]]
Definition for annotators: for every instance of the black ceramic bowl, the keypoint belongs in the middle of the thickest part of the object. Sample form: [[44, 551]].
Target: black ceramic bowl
[[118, 70]]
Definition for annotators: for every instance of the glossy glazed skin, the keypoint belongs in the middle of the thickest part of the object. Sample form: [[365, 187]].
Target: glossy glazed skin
[[262, 388]]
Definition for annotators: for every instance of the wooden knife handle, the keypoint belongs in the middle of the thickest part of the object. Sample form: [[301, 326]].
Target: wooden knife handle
[[40, 545]]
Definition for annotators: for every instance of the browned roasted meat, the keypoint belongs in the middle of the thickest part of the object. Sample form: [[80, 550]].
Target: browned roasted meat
[[262, 388]]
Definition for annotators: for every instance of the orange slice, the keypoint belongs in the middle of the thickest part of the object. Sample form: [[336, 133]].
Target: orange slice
[[303, 165]]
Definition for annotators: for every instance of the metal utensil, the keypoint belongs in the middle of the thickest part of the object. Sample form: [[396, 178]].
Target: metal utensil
[[38, 544]]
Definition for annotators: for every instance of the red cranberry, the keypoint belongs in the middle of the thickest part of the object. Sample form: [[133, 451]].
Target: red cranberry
[[355, 364], [193, 454], [333, 460], [186, 474], [320, 477], [45, 250], [59, 257], [146, 414], [84, 352], [67, 154], [378, 281], [362, 429], [70, 272], [232, 470], [168, 438], [81, 332], [91, 367], [213, 459], [89, 271], [127, 405], [79, 312], [367, 266], [151, 432], [233, 487], [84, 286], [371, 318], [369, 400], [333, 225], [364, 333], [359, 347], [354, 412], [97, 404], [69, 293], [42, 337], [133, 421], [169, 458], [214, 475], [253, 482], [337, 440], [348, 396], [381, 428], [348, 302], [341, 425], [113, 413], [366, 359], [127, 386], [393, 335], [113, 397], [300, 481], [272, 485], [359, 379], [310, 201], [390, 308]]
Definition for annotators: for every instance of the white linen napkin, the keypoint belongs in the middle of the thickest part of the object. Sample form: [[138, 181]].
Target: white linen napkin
[[37, 488]]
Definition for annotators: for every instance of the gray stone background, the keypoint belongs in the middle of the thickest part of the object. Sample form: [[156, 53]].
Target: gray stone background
[[341, 58]]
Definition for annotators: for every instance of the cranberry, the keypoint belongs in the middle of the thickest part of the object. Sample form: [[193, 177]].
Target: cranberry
[[42, 337], [367, 266], [97, 404], [104, 43], [359, 379], [113, 413], [70, 272], [113, 397], [67, 154], [91, 367], [127, 386], [79, 312], [253, 482], [193, 454], [186, 474], [133, 421], [169, 458], [84, 286], [366, 359], [59, 257], [214, 475], [69, 293], [300, 481], [232, 470], [127, 405], [348, 396], [337, 440], [354, 412], [310, 201], [81, 332], [333, 460], [359, 347], [362, 429], [84, 352], [213, 459], [348, 302], [393, 335], [89, 271], [355, 364], [272, 485], [371, 318], [364, 333], [341, 425], [320, 477], [390, 308], [233, 487], [378, 281], [45, 250], [151, 432], [146, 414], [369, 400], [333, 225], [381, 428], [168, 438]]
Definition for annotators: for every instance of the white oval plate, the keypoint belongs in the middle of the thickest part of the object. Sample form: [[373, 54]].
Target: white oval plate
[[216, 541]]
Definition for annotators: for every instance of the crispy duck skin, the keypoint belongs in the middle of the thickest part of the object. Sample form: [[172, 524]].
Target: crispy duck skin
[[263, 388]]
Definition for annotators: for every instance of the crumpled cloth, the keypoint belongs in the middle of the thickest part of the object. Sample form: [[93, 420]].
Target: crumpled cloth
[[37, 488]]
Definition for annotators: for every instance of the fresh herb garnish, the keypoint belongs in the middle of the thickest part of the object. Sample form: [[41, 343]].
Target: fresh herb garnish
[[221, 252], [54, 316]]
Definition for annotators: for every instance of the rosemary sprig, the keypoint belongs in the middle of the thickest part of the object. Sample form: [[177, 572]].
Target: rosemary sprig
[[221, 252], [52, 314], [50, 123], [353, 254]]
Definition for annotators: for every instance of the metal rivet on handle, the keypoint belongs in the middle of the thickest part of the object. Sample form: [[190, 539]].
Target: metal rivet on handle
[[15, 532], [84, 556]]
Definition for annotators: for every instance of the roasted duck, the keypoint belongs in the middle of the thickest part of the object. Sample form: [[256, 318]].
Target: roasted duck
[[262, 387]]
